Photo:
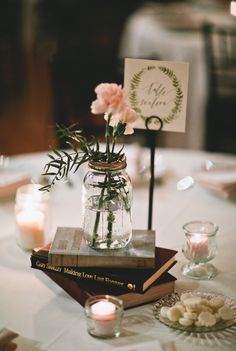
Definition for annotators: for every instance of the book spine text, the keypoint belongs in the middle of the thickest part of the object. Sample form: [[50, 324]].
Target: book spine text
[[75, 274]]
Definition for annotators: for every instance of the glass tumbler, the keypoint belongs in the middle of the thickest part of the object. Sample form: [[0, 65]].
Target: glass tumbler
[[200, 247], [104, 314], [31, 216]]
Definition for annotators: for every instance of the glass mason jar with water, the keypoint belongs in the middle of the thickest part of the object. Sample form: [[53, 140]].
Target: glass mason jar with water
[[107, 198]]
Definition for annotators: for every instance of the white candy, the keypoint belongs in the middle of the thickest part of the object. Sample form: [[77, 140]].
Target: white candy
[[179, 303], [216, 302], [163, 311], [225, 313], [193, 309], [181, 307], [190, 315], [204, 301], [203, 308], [185, 321], [187, 295], [192, 302], [206, 319], [173, 314]]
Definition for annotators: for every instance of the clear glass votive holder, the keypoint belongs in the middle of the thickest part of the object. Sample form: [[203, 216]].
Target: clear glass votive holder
[[104, 315], [31, 216], [200, 247]]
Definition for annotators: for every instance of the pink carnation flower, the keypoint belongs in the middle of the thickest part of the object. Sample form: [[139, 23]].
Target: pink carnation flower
[[110, 98], [125, 116]]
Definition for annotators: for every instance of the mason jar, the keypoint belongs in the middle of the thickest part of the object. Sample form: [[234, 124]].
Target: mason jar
[[107, 199]]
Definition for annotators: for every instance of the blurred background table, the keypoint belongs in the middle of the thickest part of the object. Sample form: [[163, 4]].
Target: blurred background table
[[54, 53], [173, 31], [48, 319]]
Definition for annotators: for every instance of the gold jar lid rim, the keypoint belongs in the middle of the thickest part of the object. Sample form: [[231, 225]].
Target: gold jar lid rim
[[108, 166]]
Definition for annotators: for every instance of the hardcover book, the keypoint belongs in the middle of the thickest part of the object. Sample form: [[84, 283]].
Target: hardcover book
[[132, 279], [81, 291], [70, 249]]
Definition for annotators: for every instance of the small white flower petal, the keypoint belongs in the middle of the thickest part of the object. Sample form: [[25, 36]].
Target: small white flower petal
[[185, 183], [128, 129]]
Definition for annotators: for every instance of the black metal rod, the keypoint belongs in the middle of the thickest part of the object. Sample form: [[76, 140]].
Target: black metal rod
[[151, 141]]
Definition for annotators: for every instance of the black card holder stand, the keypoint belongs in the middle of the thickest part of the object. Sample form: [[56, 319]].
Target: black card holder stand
[[151, 137]]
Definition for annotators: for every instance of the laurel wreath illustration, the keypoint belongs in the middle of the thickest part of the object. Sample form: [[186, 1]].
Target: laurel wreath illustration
[[134, 84]]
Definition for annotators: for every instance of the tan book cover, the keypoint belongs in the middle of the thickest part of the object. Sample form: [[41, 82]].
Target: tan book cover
[[70, 249]]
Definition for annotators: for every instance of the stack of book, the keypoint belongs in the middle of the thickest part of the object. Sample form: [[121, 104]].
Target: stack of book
[[137, 274]]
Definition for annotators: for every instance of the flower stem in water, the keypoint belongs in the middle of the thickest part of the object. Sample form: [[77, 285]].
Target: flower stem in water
[[110, 220], [96, 224]]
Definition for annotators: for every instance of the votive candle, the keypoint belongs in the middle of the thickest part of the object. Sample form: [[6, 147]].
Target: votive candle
[[31, 216], [198, 246], [31, 228], [233, 8], [104, 314]]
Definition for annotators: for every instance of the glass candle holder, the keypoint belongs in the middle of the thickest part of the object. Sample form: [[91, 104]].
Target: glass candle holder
[[104, 314], [31, 216], [199, 248]]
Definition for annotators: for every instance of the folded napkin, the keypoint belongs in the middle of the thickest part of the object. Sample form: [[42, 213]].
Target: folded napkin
[[221, 181], [10, 180]]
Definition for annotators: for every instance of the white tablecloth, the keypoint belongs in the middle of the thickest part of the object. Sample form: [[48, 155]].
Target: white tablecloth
[[172, 33], [46, 318]]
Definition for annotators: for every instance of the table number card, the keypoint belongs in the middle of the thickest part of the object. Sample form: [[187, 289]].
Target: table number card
[[157, 88]]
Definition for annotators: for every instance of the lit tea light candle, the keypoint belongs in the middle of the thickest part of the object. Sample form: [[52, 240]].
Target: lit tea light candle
[[233, 8], [103, 313], [31, 216], [30, 226], [198, 246]]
